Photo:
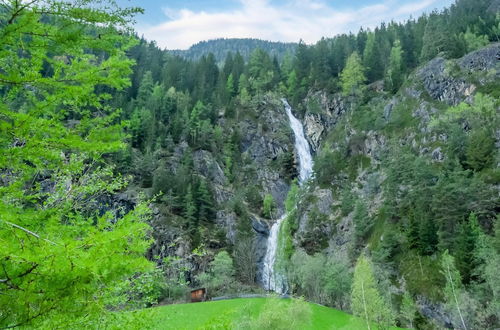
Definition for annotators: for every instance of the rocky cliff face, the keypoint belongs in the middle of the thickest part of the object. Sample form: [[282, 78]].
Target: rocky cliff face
[[265, 144], [322, 112], [265, 140]]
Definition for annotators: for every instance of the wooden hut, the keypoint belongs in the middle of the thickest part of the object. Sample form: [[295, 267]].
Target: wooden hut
[[198, 295]]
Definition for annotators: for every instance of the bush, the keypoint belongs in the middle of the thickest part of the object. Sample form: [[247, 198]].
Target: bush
[[278, 314], [220, 278]]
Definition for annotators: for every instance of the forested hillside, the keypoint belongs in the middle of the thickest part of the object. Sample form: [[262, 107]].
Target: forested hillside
[[221, 47], [132, 172]]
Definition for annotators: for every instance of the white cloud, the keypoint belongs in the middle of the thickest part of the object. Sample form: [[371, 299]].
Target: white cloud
[[308, 20]]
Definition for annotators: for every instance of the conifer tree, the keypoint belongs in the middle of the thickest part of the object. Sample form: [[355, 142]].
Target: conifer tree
[[395, 71]]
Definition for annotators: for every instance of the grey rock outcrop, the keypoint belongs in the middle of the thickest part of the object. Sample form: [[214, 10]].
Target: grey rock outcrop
[[314, 225], [322, 112], [442, 86], [482, 60], [206, 165], [265, 142]]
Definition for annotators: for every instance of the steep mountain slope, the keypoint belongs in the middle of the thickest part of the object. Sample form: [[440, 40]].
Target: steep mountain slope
[[398, 177]]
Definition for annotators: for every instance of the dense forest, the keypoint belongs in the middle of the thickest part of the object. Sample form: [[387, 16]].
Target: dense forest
[[221, 47], [131, 174]]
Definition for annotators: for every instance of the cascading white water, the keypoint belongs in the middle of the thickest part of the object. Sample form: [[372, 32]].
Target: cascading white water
[[272, 279], [301, 145]]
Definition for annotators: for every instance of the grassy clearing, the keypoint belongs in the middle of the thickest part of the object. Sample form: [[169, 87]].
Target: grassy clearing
[[243, 313]]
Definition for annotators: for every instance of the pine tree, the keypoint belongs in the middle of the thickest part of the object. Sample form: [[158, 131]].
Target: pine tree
[[428, 233], [195, 121], [205, 202], [145, 89], [466, 247], [395, 72], [231, 85], [412, 233], [352, 77], [437, 40], [371, 59], [474, 41], [362, 222], [480, 149], [189, 215]]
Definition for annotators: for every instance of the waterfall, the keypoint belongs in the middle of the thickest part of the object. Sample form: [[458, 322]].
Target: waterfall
[[272, 279], [301, 145]]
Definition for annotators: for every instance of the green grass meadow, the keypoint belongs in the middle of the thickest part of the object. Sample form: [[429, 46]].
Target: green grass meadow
[[247, 314]]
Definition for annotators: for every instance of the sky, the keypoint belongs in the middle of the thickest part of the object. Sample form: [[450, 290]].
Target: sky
[[176, 24]]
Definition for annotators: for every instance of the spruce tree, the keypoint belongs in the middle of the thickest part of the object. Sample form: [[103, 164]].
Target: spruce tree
[[395, 72], [468, 237]]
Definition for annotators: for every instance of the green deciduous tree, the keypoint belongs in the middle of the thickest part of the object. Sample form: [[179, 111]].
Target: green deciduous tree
[[366, 300], [474, 41], [268, 206], [220, 276], [453, 288], [64, 252], [408, 309], [353, 76]]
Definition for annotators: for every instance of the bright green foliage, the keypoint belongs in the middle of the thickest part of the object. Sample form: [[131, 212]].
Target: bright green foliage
[[279, 314], [366, 300], [231, 85], [230, 314], [453, 289], [293, 197], [63, 251], [220, 276], [319, 278], [474, 41], [261, 71], [353, 75], [268, 206], [408, 310]]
